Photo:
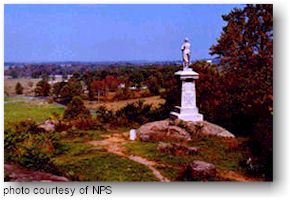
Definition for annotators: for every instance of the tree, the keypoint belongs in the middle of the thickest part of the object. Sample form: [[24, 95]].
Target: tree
[[245, 51], [75, 87], [87, 78], [42, 88], [18, 88], [65, 95], [153, 85], [98, 87], [76, 110], [65, 91], [137, 78], [57, 87], [111, 82], [210, 92]]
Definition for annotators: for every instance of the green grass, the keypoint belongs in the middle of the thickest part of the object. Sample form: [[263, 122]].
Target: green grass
[[80, 161], [8, 99], [38, 111], [83, 135], [83, 163], [212, 150], [170, 166]]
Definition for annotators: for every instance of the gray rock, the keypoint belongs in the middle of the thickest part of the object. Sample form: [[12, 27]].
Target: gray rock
[[203, 128], [161, 131], [179, 130], [199, 171], [47, 126]]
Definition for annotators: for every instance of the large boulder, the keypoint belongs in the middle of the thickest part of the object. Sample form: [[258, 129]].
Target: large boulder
[[162, 131], [203, 128], [179, 130], [199, 171]]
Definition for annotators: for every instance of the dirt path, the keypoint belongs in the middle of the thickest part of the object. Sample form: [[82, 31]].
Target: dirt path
[[114, 144]]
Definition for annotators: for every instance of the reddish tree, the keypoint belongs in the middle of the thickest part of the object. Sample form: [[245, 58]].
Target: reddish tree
[[98, 87], [111, 82]]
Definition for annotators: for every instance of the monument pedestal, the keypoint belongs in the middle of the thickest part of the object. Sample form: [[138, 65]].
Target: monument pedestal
[[188, 110]]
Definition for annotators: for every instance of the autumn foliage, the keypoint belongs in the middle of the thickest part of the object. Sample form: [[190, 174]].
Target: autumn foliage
[[245, 51]]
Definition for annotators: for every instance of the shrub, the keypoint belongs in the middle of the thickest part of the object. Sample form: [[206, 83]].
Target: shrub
[[42, 88], [76, 109], [18, 88], [26, 126], [134, 113], [104, 115], [31, 150], [86, 124]]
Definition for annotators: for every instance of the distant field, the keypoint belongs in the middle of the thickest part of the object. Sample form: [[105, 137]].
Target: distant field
[[19, 109], [27, 84], [116, 105]]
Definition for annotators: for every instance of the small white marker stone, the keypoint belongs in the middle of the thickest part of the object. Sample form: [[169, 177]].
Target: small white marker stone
[[132, 134]]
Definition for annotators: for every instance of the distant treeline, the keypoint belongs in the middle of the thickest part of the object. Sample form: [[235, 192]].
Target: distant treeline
[[39, 70]]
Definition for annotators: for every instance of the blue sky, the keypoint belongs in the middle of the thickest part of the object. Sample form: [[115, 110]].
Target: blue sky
[[44, 33]]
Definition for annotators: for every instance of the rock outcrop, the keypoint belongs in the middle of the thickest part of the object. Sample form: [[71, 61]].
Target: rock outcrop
[[203, 128], [179, 130], [162, 131]]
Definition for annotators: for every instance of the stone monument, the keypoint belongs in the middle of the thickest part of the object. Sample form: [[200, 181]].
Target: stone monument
[[188, 110], [186, 53]]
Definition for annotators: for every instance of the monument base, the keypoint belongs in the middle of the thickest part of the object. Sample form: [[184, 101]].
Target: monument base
[[187, 117], [188, 110]]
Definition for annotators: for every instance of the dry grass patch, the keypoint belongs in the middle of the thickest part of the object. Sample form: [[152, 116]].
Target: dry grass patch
[[155, 101]]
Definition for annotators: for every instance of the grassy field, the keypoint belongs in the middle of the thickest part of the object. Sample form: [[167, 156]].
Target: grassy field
[[28, 85], [19, 109], [116, 105], [83, 163], [79, 161], [212, 150]]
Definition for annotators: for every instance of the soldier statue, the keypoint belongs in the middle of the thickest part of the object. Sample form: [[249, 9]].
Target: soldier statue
[[186, 53]]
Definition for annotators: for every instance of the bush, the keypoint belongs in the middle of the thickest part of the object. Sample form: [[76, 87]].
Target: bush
[[42, 88], [134, 113], [26, 126], [31, 150], [104, 115], [76, 109], [18, 88], [86, 124]]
